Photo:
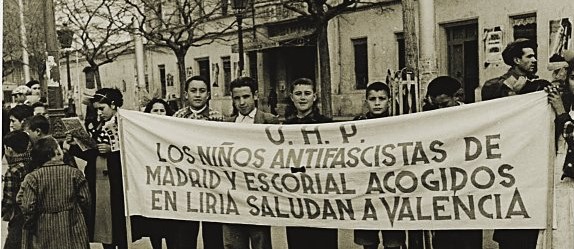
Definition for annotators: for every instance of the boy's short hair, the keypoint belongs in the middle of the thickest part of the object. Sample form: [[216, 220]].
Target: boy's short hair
[[110, 96], [377, 86], [17, 141], [38, 122], [443, 85], [44, 150], [197, 77], [21, 112], [243, 82], [302, 81]]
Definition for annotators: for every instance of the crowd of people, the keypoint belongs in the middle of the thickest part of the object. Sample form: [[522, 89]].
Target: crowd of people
[[50, 203]]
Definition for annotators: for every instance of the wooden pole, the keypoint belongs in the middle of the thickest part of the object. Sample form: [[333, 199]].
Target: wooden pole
[[24, 43], [409, 29], [416, 238], [55, 100], [428, 58]]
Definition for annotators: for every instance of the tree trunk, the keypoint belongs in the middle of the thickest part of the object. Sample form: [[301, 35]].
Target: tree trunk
[[411, 42], [324, 69], [182, 76], [97, 78]]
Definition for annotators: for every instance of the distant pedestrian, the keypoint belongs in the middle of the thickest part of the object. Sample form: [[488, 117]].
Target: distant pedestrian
[[53, 198], [35, 92], [272, 101], [20, 95], [39, 108]]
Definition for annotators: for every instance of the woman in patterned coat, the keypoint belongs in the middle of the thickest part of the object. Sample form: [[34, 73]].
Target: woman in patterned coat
[[53, 198]]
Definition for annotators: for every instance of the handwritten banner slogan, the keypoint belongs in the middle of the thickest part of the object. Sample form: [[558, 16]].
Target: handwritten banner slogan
[[477, 166]]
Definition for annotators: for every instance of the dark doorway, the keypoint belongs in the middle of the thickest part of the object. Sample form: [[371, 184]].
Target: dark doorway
[[291, 63], [462, 43], [284, 65], [299, 63]]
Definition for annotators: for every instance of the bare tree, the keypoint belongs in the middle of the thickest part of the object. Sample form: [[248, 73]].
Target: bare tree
[[320, 12], [179, 25], [12, 43], [100, 30]]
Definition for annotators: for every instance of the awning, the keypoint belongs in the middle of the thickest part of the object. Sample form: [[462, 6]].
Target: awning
[[299, 40]]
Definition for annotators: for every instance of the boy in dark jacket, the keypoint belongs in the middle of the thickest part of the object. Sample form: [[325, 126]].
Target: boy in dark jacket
[[377, 96], [303, 95]]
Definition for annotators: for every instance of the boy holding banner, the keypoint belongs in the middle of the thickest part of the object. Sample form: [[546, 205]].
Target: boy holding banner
[[198, 93], [377, 100], [442, 90], [244, 95], [303, 95]]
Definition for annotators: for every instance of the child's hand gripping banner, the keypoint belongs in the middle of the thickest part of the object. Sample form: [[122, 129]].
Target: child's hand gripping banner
[[478, 166]]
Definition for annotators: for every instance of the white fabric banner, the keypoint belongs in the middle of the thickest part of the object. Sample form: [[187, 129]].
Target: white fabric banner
[[476, 166]]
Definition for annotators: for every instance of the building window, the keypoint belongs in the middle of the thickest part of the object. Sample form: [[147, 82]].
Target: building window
[[203, 65], [226, 62], [162, 80], [402, 56], [524, 26], [361, 63]]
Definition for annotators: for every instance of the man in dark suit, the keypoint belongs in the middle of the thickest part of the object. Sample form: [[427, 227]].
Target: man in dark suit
[[244, 95]]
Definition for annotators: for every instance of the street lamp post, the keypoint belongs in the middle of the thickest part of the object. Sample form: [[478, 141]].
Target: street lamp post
[[239, 7], [65, 36]]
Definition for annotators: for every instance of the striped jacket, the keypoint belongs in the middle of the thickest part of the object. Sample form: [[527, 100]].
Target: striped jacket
[[54, 199]]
